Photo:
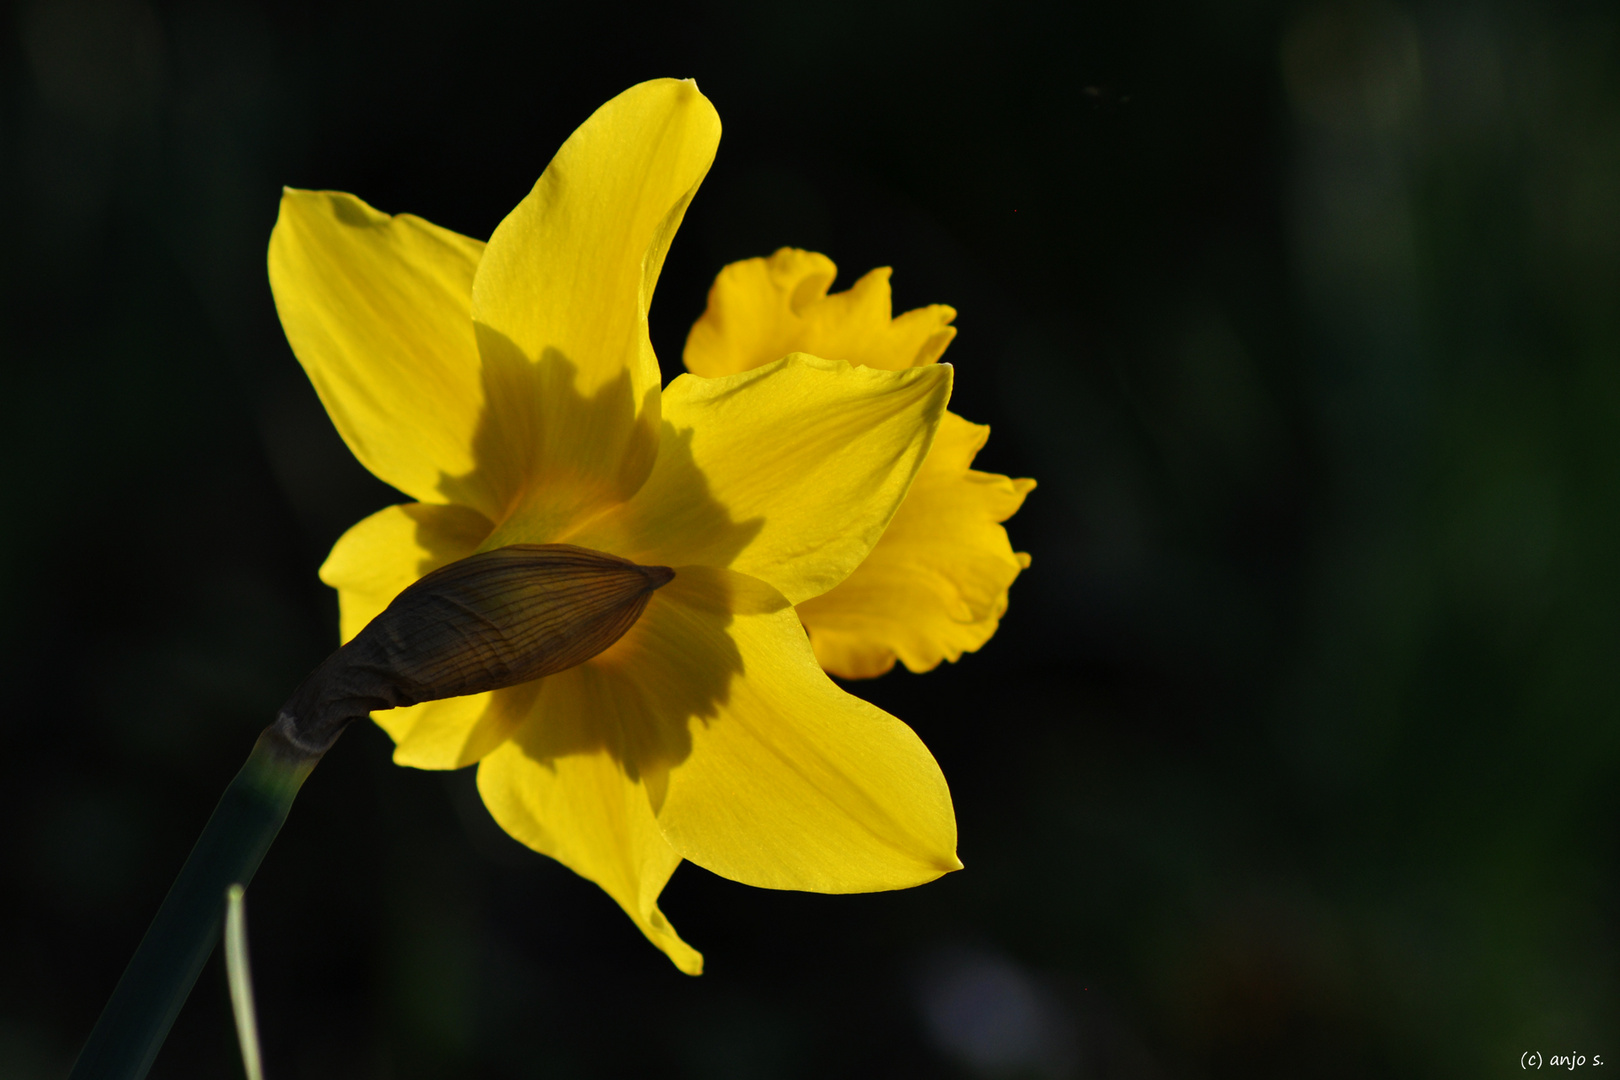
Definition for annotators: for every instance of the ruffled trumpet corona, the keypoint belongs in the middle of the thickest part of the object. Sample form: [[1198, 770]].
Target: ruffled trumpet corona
[[935, 586]]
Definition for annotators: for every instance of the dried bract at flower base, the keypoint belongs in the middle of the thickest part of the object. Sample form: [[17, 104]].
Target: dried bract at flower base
[[492, 620]]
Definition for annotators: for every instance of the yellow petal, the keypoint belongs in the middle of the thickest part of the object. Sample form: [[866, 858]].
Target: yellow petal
[[789, 472], [759, 767], [709, 731], [561, 787], [378, 557], [561, 297], [762, 309], [369, 565], [378, 311], [936, 585], [450, 733]]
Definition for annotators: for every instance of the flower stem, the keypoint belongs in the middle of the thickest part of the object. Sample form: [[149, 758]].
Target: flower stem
[[492, 620], [159, 977]]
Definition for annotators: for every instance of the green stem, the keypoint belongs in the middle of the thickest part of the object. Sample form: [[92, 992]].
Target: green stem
[[159, 977], [494, 619]]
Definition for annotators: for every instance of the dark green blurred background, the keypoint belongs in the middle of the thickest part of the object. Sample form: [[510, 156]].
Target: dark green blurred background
[[1296, 754]]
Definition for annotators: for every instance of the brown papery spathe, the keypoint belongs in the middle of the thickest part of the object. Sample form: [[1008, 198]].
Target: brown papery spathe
[[491, 620]]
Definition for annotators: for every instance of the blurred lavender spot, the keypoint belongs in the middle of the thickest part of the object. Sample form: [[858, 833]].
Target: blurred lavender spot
[[994, 1018]]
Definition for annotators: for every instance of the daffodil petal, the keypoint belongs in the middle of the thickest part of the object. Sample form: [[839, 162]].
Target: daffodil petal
[[560, 786], [380, 555], [369, 566], [760, 310], [450, 733], [560, 300], [789, 472], [378, 310], [936, 585], [759, 767]]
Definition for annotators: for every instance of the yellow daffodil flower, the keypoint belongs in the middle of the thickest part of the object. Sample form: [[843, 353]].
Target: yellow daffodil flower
[[936, 584], [511, 390]]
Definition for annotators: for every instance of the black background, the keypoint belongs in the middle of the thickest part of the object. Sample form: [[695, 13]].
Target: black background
[[1296, 753]]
